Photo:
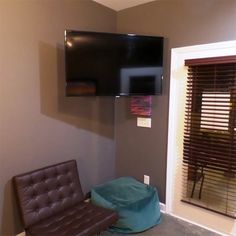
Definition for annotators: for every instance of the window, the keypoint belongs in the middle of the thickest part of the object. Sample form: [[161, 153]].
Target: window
[[209, 158], [212, 118]]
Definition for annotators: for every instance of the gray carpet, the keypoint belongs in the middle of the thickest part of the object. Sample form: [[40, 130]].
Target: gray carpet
[[171, 226]]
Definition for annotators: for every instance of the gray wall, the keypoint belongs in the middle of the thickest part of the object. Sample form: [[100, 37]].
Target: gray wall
[[38, 124], [182, 22]]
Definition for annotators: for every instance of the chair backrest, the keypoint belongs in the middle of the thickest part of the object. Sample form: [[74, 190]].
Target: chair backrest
[[44, 192]]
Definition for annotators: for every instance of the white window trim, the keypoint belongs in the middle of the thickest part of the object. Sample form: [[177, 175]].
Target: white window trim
[[177, 60]]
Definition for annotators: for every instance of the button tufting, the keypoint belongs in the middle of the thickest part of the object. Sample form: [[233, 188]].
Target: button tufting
[[54, 174], [36, 209], [54, 193], [34, 195]]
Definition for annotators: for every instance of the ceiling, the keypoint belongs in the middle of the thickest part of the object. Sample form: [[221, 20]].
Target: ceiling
[[118, 5]]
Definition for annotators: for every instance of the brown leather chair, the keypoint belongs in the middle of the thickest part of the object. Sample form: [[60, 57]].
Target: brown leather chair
[[51, 203]]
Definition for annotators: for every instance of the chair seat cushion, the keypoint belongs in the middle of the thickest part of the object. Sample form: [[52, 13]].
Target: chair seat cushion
[[79, 220]]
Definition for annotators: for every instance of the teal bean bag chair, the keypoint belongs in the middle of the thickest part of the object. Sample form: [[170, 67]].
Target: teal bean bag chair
[[136, 203]]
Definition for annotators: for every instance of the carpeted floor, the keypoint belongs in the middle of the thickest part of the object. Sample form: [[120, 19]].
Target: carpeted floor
[[171, 226]]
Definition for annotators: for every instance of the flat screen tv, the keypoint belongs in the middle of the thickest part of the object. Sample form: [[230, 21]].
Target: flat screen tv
[[107, 64]]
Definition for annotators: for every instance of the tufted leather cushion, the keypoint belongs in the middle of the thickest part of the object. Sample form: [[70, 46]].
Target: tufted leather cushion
[[45, 192], [84, 219]]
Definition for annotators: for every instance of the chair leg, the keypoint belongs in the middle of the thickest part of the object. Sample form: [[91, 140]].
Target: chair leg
[[200, 192], [194, 185]]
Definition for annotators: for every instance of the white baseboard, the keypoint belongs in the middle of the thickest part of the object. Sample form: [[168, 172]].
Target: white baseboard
[[21, 234], [163, 207], [202, 226]]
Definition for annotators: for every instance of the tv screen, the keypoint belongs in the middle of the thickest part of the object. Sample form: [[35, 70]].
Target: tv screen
[[105, 64]]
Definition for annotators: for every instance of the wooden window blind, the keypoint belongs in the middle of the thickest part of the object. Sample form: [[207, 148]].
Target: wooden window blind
[[209, 145]]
